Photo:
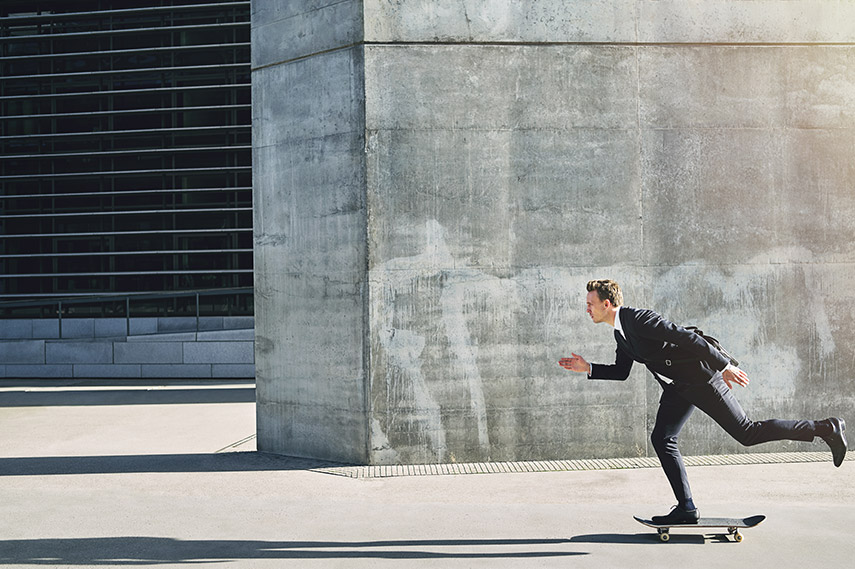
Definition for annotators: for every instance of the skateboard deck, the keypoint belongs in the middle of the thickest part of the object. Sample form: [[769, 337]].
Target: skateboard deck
[[732, 525]]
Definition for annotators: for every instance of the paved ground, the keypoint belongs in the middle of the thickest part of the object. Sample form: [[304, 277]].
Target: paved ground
[[112, 475]]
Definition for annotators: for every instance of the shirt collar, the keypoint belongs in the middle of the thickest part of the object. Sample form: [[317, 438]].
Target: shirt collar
[[618, 327]]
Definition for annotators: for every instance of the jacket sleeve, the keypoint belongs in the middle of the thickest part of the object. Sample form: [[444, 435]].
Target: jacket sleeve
[[655, 327], [617, 371]]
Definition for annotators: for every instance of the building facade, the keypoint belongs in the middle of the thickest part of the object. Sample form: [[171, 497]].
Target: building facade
[[125, 148]]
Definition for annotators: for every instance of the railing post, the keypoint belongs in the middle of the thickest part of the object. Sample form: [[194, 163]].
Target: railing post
[[127, 316], [59, 315], [197, 314]]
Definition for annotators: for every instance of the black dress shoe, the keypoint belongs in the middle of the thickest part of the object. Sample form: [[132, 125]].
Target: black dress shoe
[[837, 439], [677, 516]]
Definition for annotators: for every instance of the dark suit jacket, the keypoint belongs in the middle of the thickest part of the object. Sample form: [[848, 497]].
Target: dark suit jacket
[[665, 348]]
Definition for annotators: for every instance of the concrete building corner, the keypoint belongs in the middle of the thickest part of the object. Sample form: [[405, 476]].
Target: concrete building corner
[[435, 182]]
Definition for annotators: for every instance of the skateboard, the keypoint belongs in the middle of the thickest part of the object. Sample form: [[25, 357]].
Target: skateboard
[[732, 525]]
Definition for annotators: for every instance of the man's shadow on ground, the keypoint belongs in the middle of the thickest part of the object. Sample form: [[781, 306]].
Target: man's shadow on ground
[[142, 550], [648, 538], [117, 551]]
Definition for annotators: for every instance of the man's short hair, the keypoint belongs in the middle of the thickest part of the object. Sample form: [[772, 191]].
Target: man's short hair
[[607, 290]]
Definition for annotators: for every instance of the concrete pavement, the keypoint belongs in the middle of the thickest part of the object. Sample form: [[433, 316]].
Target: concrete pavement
[[113, 474]]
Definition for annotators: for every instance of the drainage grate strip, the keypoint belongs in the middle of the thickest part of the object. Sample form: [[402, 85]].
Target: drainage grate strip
[[396, 470]]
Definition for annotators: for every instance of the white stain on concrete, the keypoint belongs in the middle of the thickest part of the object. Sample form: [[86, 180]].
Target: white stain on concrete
[[404, 348], [460, 341], [747, 319], [381, 448]]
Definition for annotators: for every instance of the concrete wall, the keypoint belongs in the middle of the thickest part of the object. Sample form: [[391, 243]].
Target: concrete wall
[[309, 224], [436, 181], [99, 348]]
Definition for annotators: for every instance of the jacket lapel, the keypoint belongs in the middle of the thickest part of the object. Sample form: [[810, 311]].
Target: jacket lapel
[[624, 340]]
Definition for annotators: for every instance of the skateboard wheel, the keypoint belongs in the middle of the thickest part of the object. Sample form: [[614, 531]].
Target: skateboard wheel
[[737, 536], [664, 536]]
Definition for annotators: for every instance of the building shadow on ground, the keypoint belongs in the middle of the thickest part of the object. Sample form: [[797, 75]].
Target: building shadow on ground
[[252, 461]]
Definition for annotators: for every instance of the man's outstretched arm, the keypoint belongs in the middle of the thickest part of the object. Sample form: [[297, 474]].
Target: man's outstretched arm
[[617, 371]]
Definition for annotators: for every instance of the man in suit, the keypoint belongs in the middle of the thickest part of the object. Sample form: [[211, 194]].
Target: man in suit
[[693, 374]]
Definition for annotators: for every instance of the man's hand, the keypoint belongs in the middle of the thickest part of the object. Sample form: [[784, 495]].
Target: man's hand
[[733, 374], [576, 363]]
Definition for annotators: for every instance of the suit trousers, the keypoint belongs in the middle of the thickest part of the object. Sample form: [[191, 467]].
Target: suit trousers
[[715, 399]]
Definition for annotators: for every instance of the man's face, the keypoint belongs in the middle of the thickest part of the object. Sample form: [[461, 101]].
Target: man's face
[[597, 308]]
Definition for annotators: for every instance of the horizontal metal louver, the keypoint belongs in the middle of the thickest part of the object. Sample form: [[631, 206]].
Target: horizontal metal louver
[[125, 147]]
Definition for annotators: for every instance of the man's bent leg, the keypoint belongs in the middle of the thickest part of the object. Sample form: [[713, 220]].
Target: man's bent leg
[[716, 400]]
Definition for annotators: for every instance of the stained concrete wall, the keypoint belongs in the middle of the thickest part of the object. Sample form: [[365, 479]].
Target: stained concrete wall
[[436, 181]]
